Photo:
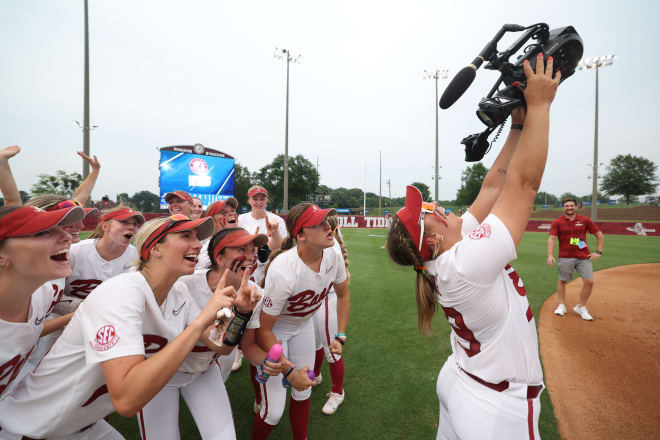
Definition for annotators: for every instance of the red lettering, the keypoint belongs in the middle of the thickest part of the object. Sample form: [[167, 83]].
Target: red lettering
[[57, 296], [153, 343], [517, 281], [103, 389], [306, 302], [82, 288], [462, 331], [10, 369]]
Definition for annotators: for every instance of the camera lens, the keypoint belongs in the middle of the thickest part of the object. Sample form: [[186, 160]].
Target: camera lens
[[483, 117]]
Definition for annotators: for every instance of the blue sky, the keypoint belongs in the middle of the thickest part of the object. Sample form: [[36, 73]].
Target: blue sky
[[171, 72]]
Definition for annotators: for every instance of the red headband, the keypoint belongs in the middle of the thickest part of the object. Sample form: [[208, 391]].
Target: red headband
[[311, 216], [258, 190], [123, 214], [177, 223]]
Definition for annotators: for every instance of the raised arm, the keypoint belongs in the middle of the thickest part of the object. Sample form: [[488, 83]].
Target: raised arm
[[84, 191], [528, 163], [7, 183], [493, 183]]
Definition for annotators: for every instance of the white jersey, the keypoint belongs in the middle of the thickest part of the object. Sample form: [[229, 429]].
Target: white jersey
[[201, 356], [203, 261], [294, 292], [250, 224], [18, 339], [67, 391], [89, 270], [493, 331]]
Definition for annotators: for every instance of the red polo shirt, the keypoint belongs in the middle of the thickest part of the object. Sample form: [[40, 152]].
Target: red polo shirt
[[566, 229]]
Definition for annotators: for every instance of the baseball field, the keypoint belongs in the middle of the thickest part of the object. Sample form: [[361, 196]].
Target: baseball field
[[390, 368]]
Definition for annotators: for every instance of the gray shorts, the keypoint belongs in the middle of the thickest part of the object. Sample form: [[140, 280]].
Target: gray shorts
[[583, 267]]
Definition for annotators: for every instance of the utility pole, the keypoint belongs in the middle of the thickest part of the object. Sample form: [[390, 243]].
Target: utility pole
[[380, 182], [389, 191], [435, 74], [85, 127]]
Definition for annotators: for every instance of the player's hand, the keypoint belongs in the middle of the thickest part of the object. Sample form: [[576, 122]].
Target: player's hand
[[9, 152], [93, 162], [247, 296], [275, 368], [593, 256], [222, 297], [299, 380], [271, 227], [551, 261], [336, 347], [541, 86]]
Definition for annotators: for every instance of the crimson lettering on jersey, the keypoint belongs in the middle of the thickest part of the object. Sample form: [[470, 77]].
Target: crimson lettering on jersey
[[82, 288], [57, 296], [307, 299], [462, 331], [153, 343], [10, 369], [96, 394], [517, 281]]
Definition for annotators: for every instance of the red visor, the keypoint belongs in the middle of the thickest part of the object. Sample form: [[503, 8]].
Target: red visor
[[177, 223], [237, 239], [409, 216], [123, 214], [30, 220], [180, 194], [311, 216], [217, 207], [258, 190]]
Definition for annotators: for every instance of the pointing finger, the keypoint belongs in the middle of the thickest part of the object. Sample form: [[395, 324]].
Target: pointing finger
[[244, 280], [223, 281]]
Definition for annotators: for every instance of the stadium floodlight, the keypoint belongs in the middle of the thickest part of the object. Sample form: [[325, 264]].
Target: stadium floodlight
[[586, 64], [285, 54], [436, 74]]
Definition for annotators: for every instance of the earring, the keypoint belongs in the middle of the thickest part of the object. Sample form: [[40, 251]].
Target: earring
[[6, 266], [441, 237]]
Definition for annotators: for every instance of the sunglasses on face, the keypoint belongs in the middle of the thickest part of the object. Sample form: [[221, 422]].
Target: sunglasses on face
[[429, 208]]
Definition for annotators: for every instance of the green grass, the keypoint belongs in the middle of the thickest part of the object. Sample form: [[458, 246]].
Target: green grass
[[391, 369]]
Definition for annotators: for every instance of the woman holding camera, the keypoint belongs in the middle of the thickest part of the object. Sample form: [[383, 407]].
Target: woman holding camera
[[490, 385]]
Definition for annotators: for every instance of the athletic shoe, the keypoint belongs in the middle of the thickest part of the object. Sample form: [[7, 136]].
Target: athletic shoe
[[238, 360], [583, 312], [560, 310], [333, 403], [256, 407], [319, 379]]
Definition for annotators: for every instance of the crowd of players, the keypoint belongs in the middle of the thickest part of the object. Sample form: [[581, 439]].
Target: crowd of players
[[143, 312]]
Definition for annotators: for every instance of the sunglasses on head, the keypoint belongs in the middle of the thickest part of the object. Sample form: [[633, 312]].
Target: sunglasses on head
[[64, 204], [172, 221], [428, 208]]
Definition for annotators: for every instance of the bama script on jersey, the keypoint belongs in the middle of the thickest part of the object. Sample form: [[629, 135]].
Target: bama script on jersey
[[306, 302]]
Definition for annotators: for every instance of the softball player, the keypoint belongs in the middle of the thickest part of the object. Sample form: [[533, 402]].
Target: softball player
[[224, 215], [33, 250], [200, 378], [298, 278], [180, 202], [123, 344], [51, 202], [490, 385], [325, 326], [198, 208]]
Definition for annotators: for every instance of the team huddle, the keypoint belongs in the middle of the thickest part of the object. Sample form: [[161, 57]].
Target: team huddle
[[90, 327]]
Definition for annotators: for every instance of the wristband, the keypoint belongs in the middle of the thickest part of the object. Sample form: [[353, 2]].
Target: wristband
[[340, 340], [236, 327], [285, 382], [599, 252], [516, 126], [340, 335]]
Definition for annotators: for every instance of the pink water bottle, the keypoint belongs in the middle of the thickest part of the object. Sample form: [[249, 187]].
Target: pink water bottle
[[274, 355]]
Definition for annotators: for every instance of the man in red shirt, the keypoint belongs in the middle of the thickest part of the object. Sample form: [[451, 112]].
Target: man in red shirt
[[574, 254]]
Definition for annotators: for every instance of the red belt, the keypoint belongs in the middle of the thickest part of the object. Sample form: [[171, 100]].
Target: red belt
[[532, 390]]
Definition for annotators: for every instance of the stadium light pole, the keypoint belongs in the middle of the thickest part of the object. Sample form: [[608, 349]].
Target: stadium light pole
[[436, 74], [85, 126], [585, 64], [286, 55]]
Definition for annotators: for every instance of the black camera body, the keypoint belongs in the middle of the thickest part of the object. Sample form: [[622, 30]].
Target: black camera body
[[564, 45]]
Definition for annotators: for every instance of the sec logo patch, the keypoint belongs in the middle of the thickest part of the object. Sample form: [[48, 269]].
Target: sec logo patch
[[268, 302], [106, 338], [483, 231]]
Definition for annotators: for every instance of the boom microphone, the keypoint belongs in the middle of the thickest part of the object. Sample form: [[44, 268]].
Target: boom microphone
[[459, 84]]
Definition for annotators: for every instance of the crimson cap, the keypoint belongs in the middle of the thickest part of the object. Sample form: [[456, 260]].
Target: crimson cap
[[30, 220], [311, 216], [409, 216]]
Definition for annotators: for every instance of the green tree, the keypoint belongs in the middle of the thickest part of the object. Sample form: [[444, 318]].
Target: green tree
[[146, 201], [568, 195], [61, 183], [541, 198], [629, 176], [123, 199], [587, 198], [24, 196], [471, 181], [303, 180], [424, 189], [243, 180]]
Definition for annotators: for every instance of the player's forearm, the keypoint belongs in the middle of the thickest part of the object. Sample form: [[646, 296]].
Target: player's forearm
[[343, 310], [275, 241], [84, 191], [600, 240], [251, 349], [528, 163], [496, 176], [266, 338], [551, 246], [55, 324], [145, 379], [8, 185], [223, 349]]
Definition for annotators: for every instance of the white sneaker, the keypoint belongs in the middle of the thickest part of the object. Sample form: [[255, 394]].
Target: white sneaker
[[333, 403], [238, 360], [560, 310], [256, 407], [319, 379], [583, 312]]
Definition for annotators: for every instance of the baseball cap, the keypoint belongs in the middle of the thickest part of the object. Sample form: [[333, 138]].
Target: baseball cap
[[29, 220], [216, 207], [257, 190], [311, 216], [180, 194], [239, 238], [178, 223], [123, 214], [410, 215]]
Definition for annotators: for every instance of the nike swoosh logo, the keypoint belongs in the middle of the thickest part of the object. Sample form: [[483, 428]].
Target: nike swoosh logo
[[66, 300], [127, 266], [176, 312], [38, 321], [329, 269]]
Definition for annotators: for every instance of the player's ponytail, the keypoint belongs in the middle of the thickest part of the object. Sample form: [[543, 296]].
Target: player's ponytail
[[403, 251], [334, 224]]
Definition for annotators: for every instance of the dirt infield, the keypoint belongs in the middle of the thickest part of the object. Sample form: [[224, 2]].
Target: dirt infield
[[603, 376]]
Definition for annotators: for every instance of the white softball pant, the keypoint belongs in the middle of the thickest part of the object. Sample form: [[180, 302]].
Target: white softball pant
[[325, 326], [206, 397], [470, 410], [299, 349], [101, 430]]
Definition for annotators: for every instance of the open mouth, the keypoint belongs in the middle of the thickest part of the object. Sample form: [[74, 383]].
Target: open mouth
[[128, 236], [231, 221], [191, 257], [61, 256]]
